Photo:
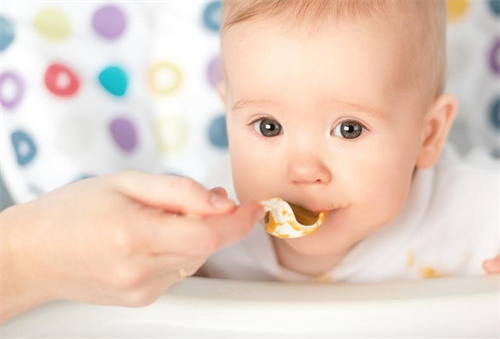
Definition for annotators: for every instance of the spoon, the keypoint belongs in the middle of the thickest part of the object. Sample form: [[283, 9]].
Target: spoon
[[287, 220]]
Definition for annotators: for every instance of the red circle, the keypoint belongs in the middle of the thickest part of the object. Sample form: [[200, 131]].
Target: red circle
[[66, 86]]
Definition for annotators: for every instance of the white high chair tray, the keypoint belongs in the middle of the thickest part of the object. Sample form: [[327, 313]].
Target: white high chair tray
[[201, 308]]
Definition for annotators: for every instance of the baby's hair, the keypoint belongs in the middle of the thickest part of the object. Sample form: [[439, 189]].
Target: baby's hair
[[424, 22]]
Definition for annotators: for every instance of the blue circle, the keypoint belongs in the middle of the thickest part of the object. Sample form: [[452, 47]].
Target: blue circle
[[114, 80], [6, 33], [495, 114], [218, 133], [495, 6], [211, 15], [24, 147]]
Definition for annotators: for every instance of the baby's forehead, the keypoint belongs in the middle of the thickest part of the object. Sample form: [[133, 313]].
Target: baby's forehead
[[420, 25], [306, 73]]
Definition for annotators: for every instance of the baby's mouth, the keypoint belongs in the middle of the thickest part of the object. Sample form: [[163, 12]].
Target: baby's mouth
[[315, 208], [303, 215], [288, 220]]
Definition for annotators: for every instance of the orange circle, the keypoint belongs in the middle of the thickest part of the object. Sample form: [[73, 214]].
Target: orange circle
[[457, 9]]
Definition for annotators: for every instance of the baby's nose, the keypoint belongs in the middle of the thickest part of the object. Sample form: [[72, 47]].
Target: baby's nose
[[308, 169]]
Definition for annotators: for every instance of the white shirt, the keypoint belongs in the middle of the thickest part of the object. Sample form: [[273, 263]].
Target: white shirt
[[449, 226]]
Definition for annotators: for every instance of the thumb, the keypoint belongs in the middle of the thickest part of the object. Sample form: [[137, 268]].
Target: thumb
[[174, 194]]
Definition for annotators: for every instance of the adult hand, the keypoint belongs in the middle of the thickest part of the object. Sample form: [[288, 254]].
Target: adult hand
[[121, 239]]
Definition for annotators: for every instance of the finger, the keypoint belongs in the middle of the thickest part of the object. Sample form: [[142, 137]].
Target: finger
[[235, 226], [188, 236], [174, 194], [220, 191], [492, 266]]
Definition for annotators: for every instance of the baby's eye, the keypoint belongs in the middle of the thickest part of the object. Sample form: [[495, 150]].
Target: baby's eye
[[267, 127], [348, 129]]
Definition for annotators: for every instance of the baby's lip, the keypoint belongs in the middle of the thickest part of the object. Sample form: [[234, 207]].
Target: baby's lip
[[319, 210], [316, 208]]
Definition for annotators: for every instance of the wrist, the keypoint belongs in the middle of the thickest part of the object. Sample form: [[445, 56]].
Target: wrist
[[23, 284]]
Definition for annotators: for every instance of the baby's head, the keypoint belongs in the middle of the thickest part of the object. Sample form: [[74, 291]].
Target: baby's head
[[332, 105]]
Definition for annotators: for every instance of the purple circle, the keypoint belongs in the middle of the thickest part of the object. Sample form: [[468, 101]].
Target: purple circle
[[214, 71], [124, 134], [495, 57], [18, 82], [109, 21]]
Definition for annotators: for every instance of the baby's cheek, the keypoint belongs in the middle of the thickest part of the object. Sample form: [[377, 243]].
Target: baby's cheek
[[386, 201], [376, 195], [252, 179]]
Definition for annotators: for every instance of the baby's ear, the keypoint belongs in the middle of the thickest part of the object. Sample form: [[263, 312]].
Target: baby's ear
[[221, 88], [437, 123]]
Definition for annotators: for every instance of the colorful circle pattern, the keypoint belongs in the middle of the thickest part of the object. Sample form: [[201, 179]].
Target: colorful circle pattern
[[6, 33], [165, 78], [457, 9], [52, 24], [494, 57], [109, 22], [14, 81], [114, 80], [171, 133], [217, 132], [211, 16], [61, 81], [495, 6], [214, 71], [24, 147], [495, 114], [124, 134]]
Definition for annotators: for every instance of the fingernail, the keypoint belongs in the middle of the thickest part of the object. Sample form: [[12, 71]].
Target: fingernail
[[219, 201]]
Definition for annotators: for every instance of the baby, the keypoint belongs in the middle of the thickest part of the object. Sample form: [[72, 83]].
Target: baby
[[338, 106]]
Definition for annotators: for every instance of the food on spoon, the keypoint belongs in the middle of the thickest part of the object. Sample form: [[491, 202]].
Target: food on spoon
[[286, 220]]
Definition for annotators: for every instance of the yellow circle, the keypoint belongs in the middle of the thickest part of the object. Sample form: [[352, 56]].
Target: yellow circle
[[457, 9], [171, 133], [163, 70], [52, 24]]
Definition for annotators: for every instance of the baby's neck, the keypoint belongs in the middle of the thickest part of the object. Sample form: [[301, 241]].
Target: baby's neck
[[307, 265]]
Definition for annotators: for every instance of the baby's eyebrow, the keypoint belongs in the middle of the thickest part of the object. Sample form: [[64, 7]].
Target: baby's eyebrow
[[362, 108], [252, 102], [240, 104]]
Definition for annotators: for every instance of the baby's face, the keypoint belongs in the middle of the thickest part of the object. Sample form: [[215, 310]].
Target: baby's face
[[323, 120]]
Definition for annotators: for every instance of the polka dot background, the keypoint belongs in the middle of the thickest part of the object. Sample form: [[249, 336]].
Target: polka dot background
[[474, 72], [89, 88]]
